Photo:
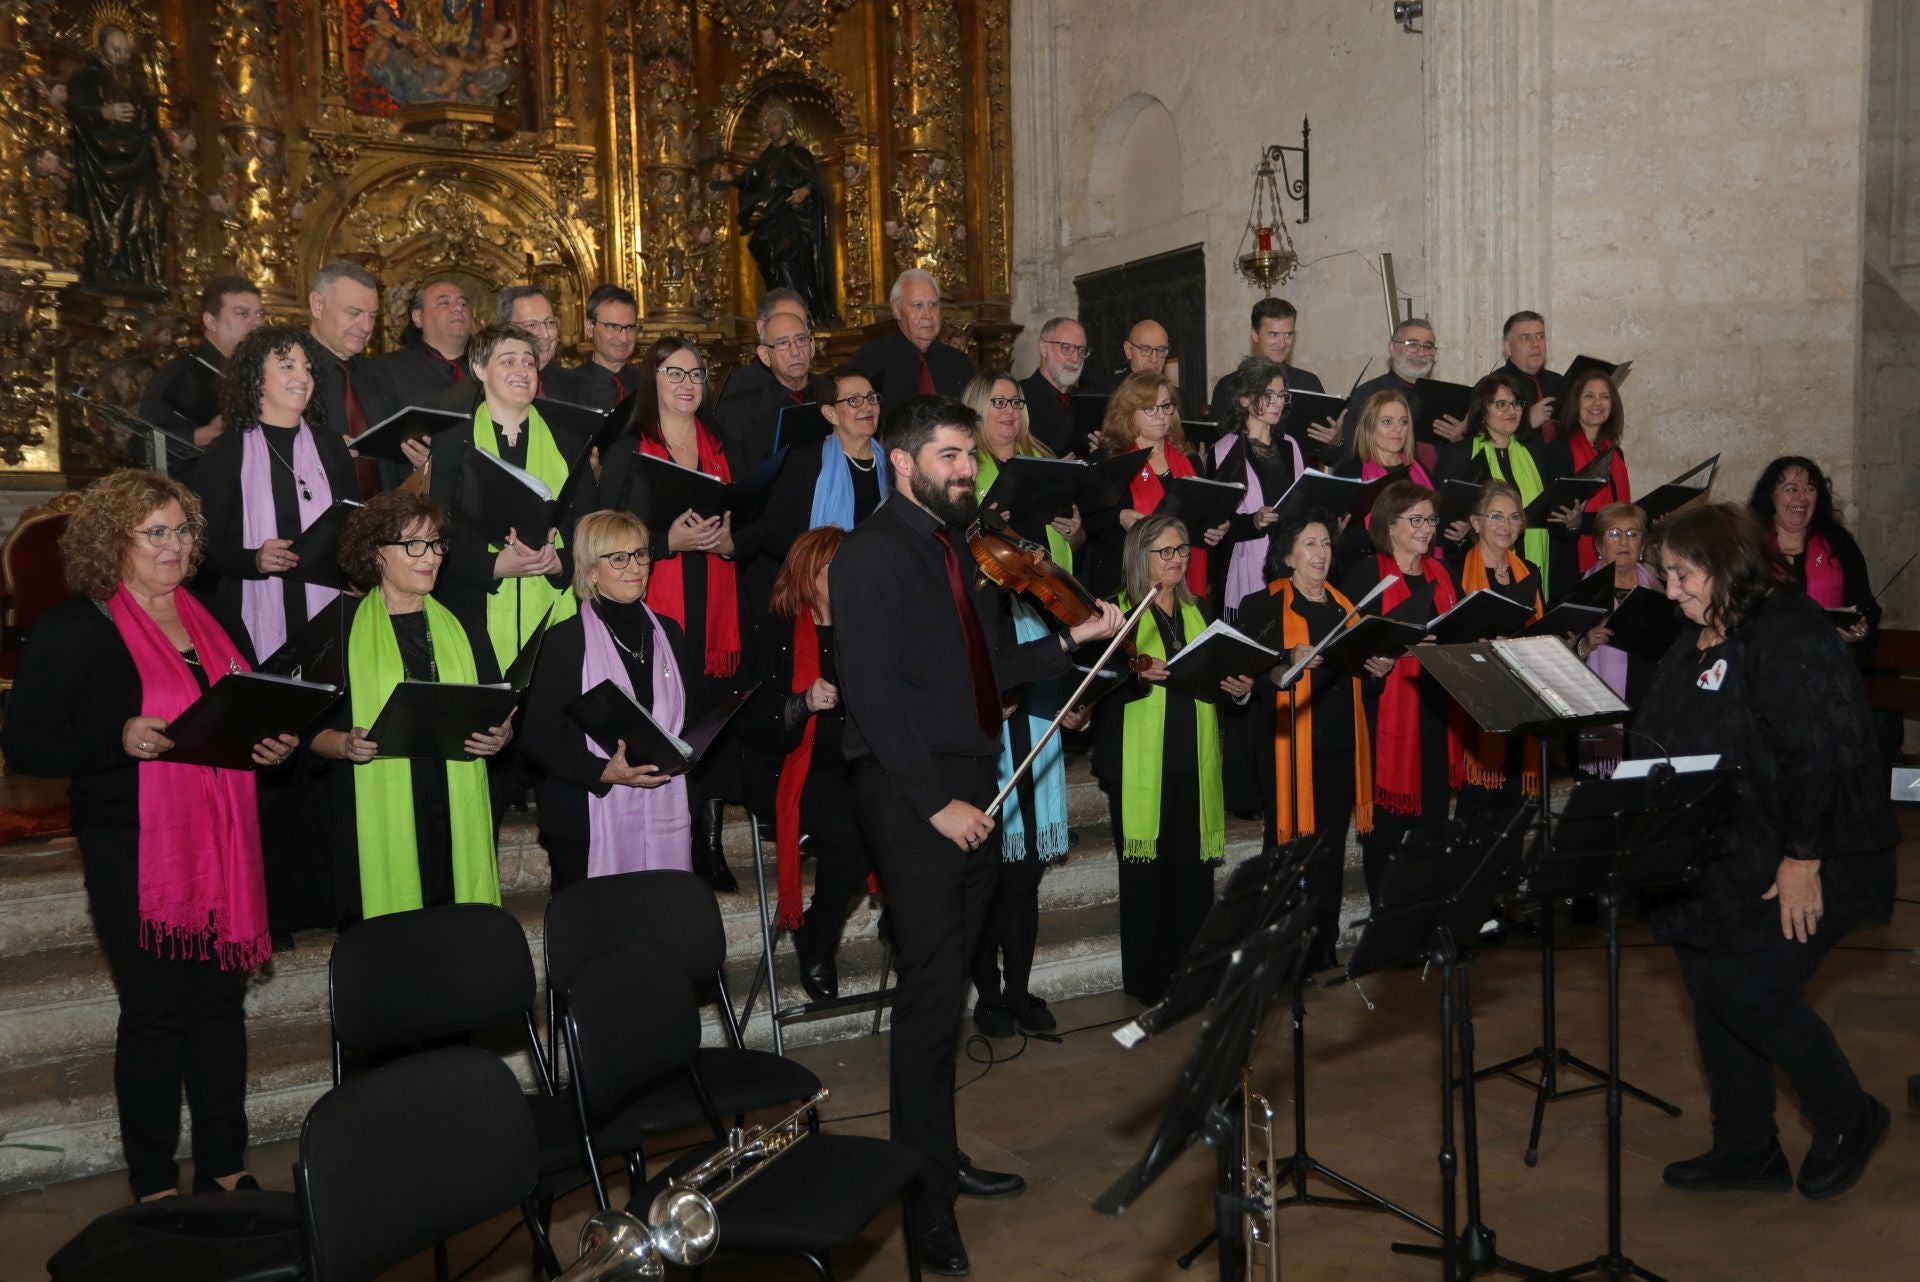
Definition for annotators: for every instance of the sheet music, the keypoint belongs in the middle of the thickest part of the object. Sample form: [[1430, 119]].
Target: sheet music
[[1558, 677], [1292, 674]]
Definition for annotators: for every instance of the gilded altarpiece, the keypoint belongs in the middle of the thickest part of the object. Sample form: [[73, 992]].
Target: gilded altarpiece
[[490, 141]]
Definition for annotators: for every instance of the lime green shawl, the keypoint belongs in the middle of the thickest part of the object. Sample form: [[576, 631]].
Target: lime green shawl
[[516, 606], [383, 788], [1526, 479], [1143, 752]]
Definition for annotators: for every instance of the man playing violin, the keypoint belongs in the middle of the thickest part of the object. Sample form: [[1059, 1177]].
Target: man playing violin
[[924, 650]]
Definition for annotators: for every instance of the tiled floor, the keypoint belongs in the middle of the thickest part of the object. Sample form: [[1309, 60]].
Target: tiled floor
[[1073, 1116]]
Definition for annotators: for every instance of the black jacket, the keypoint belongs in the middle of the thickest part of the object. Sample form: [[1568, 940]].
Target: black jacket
[[893, 365], [376, 396], [749, 408], [170, 402], [591, 383], [1050, 416]]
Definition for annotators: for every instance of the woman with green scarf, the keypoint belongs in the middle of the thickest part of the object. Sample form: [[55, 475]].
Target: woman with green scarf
[[1156, 753], [1034, 828], [512, 585], [1489, 452], [410, 832]]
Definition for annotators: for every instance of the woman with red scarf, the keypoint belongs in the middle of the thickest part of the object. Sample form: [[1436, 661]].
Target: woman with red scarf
[[1592, 420], [1415, 728], [1144, 414], [695, 568], [797, 719], [171, 852], [1794, 502]]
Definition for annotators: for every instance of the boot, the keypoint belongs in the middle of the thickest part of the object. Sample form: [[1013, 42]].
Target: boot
[[814, 943], [709, 859]]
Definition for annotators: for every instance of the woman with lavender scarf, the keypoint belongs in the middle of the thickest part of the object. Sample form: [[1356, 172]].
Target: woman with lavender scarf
[[599, 814], [260, 485], [1619, 531]]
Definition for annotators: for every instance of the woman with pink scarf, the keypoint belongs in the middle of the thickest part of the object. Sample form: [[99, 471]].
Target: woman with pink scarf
[[1794, 502], [171, 852]]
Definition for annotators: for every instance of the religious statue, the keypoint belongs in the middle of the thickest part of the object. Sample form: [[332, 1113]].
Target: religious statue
[[427, 51], [783, 211], [119, 164]]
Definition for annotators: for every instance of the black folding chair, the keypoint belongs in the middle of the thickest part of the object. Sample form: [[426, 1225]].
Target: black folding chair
[[411, 1153], [630, 1023]]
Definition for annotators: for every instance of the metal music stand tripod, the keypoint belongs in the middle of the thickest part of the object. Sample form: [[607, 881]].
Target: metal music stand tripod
[[1554, 696], [1438, 889], [1618, 835]]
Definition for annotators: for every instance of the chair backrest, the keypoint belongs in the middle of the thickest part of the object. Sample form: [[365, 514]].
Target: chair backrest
[[632, 1023], [32, 572], [675, 911], [410, 1154], [409, 978]]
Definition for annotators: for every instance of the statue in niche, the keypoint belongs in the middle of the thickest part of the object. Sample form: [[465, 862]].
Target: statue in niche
[[783, 211], [120, 164]]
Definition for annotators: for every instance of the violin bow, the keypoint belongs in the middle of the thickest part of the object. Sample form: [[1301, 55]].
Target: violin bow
[[1053, 727]]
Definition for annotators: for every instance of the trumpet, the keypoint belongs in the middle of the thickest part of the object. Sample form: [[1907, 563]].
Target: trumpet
[[1262, 1248], [682, 1224]]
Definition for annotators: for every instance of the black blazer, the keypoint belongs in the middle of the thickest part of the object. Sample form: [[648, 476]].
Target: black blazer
[[155, 409], [591, 383], [1049, 417], [749, 409], [893, 365], [552, 740], [377, 397]]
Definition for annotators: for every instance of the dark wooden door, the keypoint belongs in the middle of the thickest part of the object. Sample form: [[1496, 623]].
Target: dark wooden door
[[1170, 288]]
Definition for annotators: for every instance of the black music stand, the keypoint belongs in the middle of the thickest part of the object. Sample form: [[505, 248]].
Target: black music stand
[[1439, 887], [1483, 680], [1615, 836]]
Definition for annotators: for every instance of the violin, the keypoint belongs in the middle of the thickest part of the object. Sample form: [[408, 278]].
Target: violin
[[1020, 565]]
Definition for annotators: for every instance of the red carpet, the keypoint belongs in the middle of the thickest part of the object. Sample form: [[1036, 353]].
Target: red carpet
[[43, 821]]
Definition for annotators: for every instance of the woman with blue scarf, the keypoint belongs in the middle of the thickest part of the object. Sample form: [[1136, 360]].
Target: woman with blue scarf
[[1033, 831], [842, 480]]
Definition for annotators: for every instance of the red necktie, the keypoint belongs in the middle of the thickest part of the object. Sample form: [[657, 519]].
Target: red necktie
[[926, 377], [457, 368], [365, 470], [986, 691]]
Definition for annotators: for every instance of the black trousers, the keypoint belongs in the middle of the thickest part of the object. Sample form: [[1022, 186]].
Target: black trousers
[[1326, 872], [1750, 1016], [841, 861], [937, 894], [1003, 964], [181, 1025], [1163, 900]]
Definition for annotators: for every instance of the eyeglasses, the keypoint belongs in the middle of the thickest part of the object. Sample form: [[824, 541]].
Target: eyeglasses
[[1421, 522], [792, 343], [547, 326], [159, 536], [1505, 518], [418, 547], [1159, 410], [614, 328], [674, 374], [1416, 345], [1620, 535], [1155, 352], [1173, 553], [1505, 406], [1275, 398], [620, 560], [1007, 402], [1071, 349], [858, 399]]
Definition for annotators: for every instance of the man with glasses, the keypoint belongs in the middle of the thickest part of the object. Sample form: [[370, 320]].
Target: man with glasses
[[420, 372], [1411, 352], [528, 307], [780, 375], [605, 379], [912, 361], [1049, 389], [1524, 340]]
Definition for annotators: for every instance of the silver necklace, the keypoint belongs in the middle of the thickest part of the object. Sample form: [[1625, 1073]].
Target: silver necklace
[[306, 494]]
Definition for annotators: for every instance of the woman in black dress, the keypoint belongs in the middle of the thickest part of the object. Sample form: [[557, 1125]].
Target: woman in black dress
[[1759, 678], [1499, 770]]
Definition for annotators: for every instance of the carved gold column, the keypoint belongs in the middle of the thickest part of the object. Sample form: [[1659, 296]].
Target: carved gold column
[[672, 233], [251, 195], [925, 221]]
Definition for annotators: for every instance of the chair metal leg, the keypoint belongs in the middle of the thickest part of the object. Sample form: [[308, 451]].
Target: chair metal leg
[[906, 1233], [536, 1211], [767, 934], [880, 993]]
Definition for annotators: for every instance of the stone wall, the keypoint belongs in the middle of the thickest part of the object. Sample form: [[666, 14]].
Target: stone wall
[[1097, 80]]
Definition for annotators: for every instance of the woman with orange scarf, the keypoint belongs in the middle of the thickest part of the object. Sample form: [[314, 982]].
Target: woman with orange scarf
[[1415, 728], [695, 582], [1498, 769], [1316, 783], [1144, 414]]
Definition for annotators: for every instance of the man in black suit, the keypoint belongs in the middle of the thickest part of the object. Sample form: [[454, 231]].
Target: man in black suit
[[913, 362], [604, 379], [528, 307], [748, 411], [1274, 324], [419, 372], [344, 304], [1049, 389], [1524, 340], [182, 395], [1410, 357]]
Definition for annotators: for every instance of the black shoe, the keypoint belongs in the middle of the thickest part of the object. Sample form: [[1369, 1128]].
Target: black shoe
[[1720, 1170], [975, 1182], [205, 1184], [1836, 1159], [936, 1240], [709, 859], [814, 950], [994, 1019], [1031, 1014]]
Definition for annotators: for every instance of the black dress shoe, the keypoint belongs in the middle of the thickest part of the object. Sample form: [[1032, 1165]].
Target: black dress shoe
[[1031, 1014], [1836, 1159], [815, 953], [975, 1182], [994, 1019], [936, 1240], [205, 1184], [1721, 1170], [709, 858]]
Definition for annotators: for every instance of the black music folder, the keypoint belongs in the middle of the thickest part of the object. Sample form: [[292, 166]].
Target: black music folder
[[194, 395], [1577, 489], [1644, 624], [1683, 489], [1370, 636], [1477, 616], [1202, 504], [318, 547], [1221, 651], [1582, 364], [1457, 500], [800, 426], [1522, 684], [1434, 399], [589, 423], [433, 719], [658, 490], [1336, 496], [519, 673], [317, 650], [1109, 482], [1569, 618], [609, 714], [1200, 431], [493, 498], [1308, 409], [1037, 490], [239, 710], [414, 423]]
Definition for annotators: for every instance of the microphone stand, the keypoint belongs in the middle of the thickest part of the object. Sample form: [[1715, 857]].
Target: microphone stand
[[1053, 727]]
